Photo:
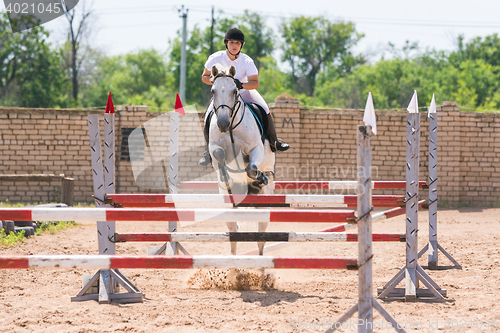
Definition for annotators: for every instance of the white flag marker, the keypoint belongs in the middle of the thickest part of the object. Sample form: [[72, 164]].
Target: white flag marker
[[369, 117], [432, 107], [413, 106]]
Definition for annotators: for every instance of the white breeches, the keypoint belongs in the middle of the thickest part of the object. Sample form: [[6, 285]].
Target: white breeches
[[253, 96]]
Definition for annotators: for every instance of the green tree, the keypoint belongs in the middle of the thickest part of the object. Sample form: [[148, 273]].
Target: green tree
[[138, 78], [487, 49], [311, 43], [30, 71], [391, 82]]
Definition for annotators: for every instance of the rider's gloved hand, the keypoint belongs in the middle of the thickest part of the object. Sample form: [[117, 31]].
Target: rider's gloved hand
[[239, 85]]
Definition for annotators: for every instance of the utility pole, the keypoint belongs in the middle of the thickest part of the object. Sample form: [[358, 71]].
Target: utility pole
[[183, 15], [212, 33]]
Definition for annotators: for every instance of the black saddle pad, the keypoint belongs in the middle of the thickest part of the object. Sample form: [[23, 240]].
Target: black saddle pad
[[260, 116]]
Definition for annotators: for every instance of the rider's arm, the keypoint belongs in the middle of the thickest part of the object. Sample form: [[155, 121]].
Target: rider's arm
[[205, 77], [253, 82]]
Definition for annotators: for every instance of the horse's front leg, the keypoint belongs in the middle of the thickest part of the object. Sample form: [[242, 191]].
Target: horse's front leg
[[262, 228], [252, 169], [233, 227], [219, 163]]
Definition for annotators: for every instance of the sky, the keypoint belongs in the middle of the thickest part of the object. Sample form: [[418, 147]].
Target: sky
[[123, 26]]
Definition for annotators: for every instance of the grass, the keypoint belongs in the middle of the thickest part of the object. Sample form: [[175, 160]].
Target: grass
[[13, 239]]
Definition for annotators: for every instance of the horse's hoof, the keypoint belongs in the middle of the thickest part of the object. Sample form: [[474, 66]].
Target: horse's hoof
[[263, 180], [252, 171]]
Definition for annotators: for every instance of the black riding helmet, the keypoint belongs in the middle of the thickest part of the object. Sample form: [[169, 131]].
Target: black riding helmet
[[234, 34]]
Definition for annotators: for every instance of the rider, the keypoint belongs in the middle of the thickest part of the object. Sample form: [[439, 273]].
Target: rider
[[246, 79]]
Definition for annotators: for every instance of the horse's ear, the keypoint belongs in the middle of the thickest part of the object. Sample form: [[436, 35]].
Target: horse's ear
[[215, 72], [232, 71]]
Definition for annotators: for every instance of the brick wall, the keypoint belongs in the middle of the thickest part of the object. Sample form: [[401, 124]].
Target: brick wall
[[34, 141]]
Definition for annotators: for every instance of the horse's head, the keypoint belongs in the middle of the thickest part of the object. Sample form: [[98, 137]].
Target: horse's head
[[225, 96]]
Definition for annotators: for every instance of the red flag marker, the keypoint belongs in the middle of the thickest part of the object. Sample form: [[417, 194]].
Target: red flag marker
[[178, 105], [109, 105]]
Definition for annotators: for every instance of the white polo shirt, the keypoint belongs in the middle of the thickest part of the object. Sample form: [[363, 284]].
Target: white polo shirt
[[244, 65]]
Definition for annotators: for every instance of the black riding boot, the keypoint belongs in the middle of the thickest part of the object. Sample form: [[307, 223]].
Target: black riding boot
[[273, 139], [205, 159]]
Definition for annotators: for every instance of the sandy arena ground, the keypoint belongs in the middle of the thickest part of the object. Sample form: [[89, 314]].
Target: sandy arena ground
[[39, 300]]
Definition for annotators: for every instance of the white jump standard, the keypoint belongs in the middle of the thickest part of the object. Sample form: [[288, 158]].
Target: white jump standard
[[433, 245]]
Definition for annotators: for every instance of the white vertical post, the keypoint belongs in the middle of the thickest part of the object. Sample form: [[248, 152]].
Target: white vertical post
[[412, 195], [109, 170], [173, 173], [366, 302], [433, 242], [364, 159], [99, 193], [109, 185]]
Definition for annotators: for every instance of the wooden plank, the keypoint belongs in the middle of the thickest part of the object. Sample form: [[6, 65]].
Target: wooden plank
[[31, 177], [433, 241], [303, 185], [216, 200], [345, 317], [387, 316], [173, 174], [412, 169], [250, 237], [179, 215], [107, 262], [365, 255], [400, 293], [68, 191]]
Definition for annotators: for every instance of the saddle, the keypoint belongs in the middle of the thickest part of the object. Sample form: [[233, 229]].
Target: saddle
[[257, 112]]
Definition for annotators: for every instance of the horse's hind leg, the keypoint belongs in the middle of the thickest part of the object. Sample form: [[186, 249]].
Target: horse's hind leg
[[262, 228], [233, 227]]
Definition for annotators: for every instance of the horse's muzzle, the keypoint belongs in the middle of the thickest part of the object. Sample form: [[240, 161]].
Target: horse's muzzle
[[223, 125]]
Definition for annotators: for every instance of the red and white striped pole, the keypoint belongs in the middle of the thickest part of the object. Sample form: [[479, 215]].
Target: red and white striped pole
[[178, 215], [304, 185], [174, 262], [241, 200], [250, 237], [341, 228]]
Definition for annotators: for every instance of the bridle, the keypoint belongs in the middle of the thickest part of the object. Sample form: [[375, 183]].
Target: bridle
[[236, 106], [232, 116]]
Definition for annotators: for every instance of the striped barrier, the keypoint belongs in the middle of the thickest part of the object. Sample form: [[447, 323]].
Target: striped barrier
[[174, 262], [178, 215], [261, 200], [343, 227], [305, 185], [422, 204], [250, 237]]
